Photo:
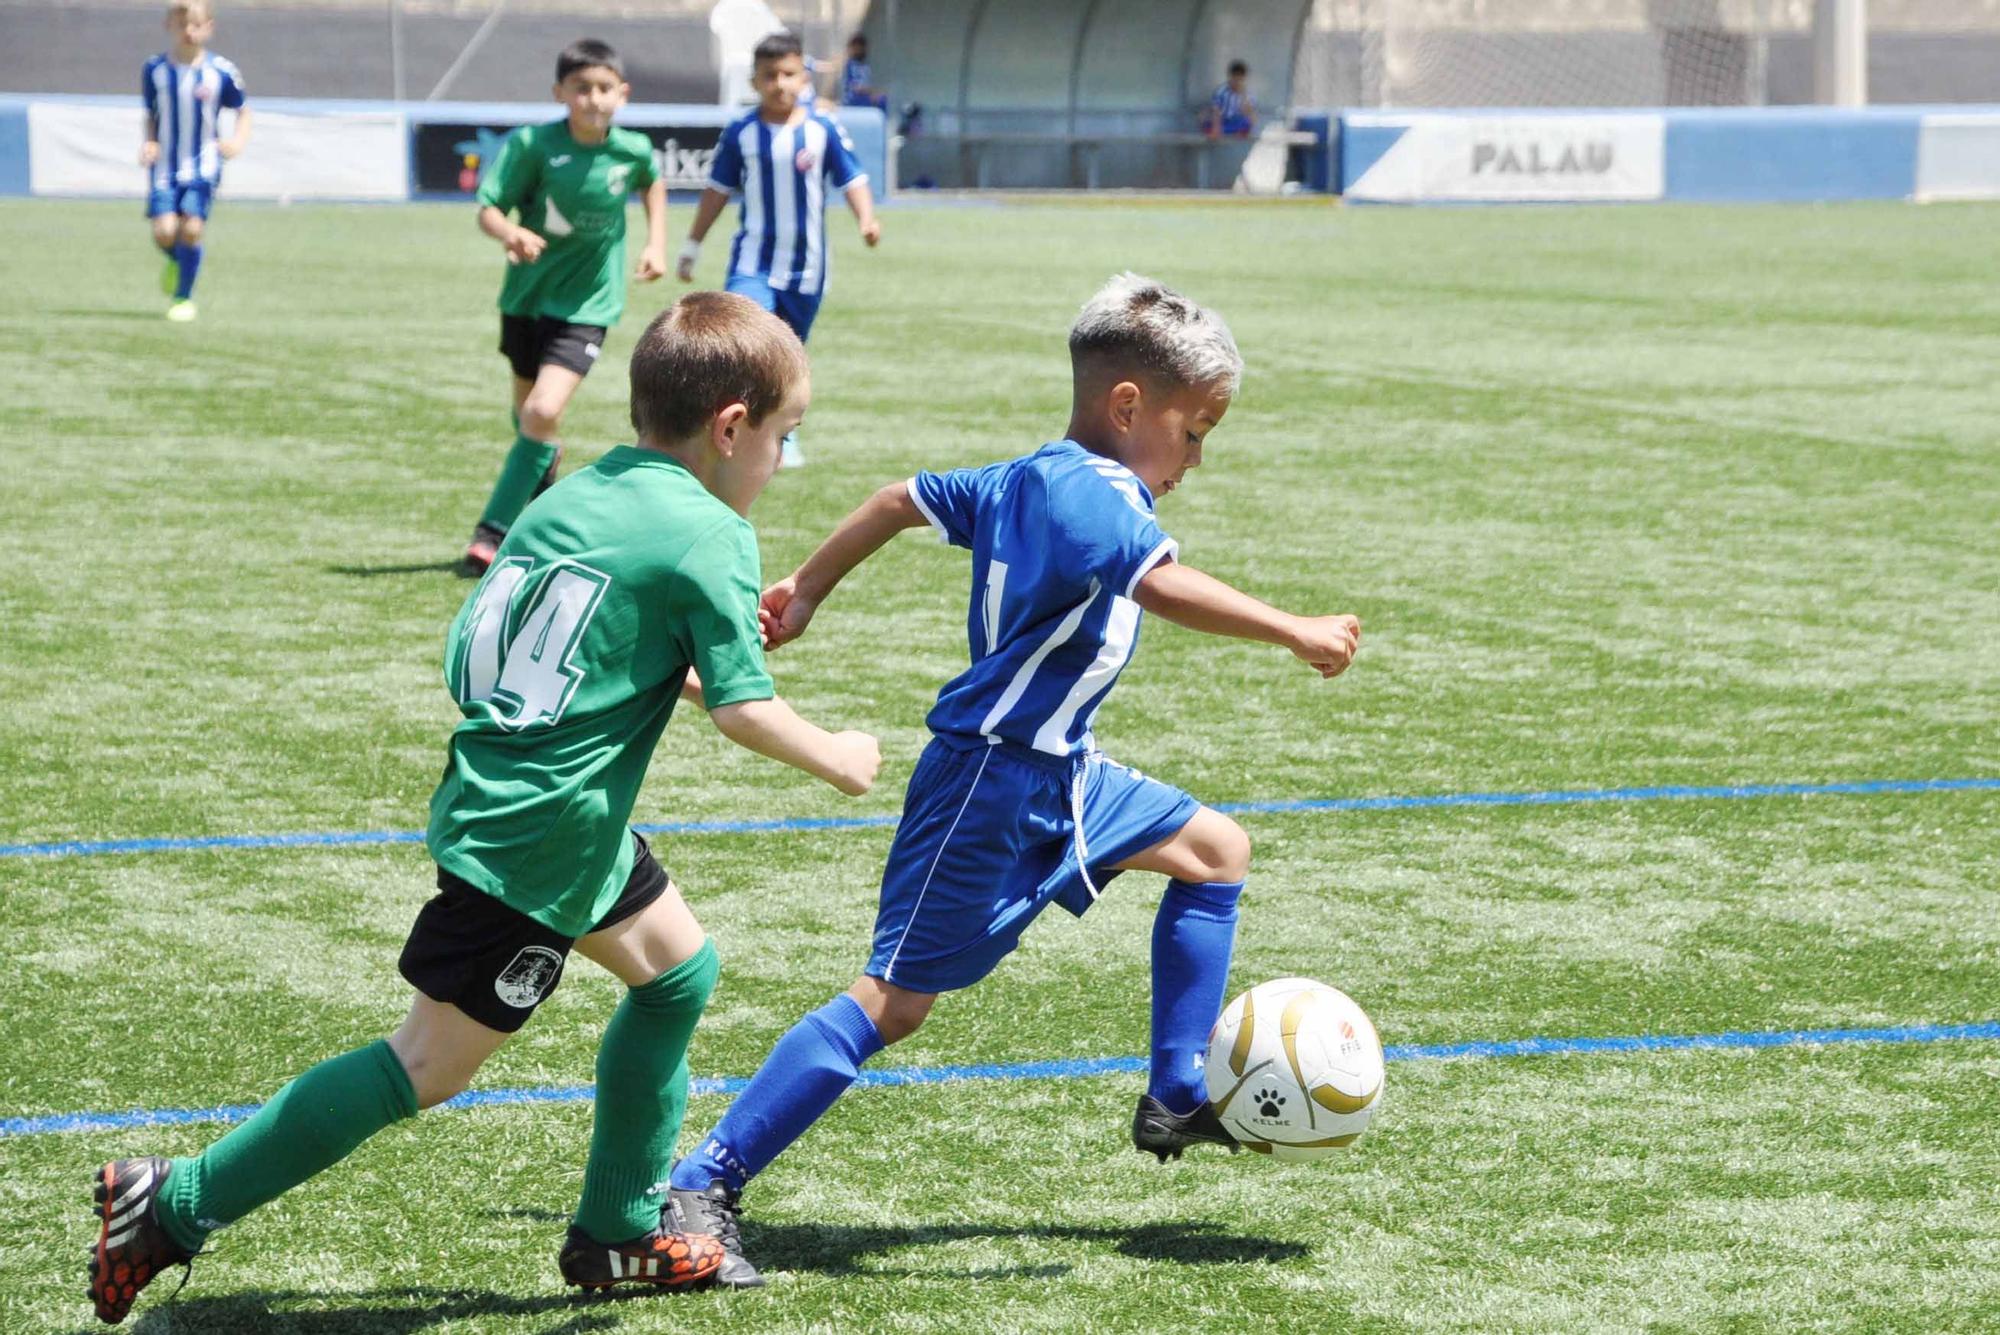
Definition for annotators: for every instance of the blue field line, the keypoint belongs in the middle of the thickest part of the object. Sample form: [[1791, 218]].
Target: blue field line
[[1078, 1068], [796, 825]]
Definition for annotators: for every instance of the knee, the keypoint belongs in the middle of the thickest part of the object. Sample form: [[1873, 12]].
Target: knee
[[896, 1012], [541, 416], [191, 231], [1223, 848], [166, 229], [434, 1075], [899, 1022], [433, 1083]]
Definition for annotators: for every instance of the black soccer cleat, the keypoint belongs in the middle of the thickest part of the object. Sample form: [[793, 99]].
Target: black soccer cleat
[[1157, 1131], [716, 1211], [132, 1248], [663, 1259]]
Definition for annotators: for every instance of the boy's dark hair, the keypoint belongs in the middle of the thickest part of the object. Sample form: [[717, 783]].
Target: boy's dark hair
[[777, 46], [587, 53], [1238, 67], [705, 352], [859, 39]]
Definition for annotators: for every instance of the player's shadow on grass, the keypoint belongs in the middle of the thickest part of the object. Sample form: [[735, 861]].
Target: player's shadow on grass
[[837, 1249], [414, 568], [386, 1312]]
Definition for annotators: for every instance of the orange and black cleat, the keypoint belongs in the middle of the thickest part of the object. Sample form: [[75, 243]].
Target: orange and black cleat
[[662, 1258], [485, 545], [131, 1247]]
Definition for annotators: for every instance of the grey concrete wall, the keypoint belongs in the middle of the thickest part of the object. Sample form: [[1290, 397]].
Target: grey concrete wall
[[56, 48]]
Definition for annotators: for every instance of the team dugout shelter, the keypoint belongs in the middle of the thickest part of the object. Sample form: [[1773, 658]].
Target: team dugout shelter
[[1062, 93]]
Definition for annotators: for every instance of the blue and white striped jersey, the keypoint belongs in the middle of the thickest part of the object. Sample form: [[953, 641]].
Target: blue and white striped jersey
[[783, 172], [1059, 540], [184, 102], [1233, 110]]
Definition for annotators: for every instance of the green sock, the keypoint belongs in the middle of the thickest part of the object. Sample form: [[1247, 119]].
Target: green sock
[[519, 477], [310, 1125], [642, 1090]]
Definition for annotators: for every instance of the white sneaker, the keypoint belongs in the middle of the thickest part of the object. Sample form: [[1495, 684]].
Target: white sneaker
[[181, 312]]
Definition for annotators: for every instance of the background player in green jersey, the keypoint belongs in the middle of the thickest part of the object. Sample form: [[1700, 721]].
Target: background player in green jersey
[[567, 181], [566, 662]]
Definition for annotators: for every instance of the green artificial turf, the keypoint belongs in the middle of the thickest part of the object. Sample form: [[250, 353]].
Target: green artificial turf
[[1624, 498]]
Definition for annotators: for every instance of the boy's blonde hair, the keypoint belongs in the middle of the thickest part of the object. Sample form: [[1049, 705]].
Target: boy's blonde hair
[[1137, 324], [705, 352], [184, 9]]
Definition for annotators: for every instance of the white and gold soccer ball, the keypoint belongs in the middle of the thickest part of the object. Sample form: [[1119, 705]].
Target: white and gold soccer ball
[[1295, 1069]]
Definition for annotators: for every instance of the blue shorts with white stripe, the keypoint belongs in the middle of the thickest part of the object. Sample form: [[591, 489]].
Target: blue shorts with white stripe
[[993, 834]]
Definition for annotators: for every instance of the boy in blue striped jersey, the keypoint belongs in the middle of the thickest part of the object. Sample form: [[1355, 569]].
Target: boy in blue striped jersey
[[781, 158], [1231, 112], [1012, 806], [185, 89]]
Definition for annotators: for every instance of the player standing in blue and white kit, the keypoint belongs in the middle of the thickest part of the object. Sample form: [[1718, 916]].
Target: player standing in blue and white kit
[[186, 89], [1012, 806], [782, 158]]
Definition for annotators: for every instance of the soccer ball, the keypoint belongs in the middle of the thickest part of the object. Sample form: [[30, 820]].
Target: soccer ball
[[1294, 1069]]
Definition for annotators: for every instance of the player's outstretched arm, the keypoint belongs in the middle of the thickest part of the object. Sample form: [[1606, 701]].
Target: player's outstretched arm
[[1187, 597], [710, 207], [863, 204], [847, 760], [787, 607]]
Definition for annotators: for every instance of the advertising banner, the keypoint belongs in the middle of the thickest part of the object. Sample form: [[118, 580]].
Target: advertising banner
[[449, 156], [1958, 156], [1506, 158], [89, 148]]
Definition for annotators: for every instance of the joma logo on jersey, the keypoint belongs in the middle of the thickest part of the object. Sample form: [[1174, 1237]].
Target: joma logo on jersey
[[528, 977]]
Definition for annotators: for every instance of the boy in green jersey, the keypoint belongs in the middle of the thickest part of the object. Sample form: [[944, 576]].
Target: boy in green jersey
[[634, 583], [565, 285]]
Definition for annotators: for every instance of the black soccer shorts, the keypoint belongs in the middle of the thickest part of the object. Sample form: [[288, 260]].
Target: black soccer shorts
[[530, 342], [495, 963]]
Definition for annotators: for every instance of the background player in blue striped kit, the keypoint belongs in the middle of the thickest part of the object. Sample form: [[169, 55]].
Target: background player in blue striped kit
[[185, 89], [1012, 806], [781, 157]]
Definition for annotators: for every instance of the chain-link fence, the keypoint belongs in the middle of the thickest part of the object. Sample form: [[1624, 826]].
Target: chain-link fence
[[1446, 53]]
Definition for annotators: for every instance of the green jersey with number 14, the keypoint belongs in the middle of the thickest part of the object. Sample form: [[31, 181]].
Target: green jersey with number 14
[[567, 661]]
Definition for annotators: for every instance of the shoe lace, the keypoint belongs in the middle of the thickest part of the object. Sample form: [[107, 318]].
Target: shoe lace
[[723, 1217]]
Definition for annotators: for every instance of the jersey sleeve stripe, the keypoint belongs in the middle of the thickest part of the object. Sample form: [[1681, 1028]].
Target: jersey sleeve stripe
[[917, 500], [1165, 551]]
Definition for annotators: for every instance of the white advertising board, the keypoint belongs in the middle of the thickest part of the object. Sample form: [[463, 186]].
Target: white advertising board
[[1525, 158], [87, 148], [1958, 156]]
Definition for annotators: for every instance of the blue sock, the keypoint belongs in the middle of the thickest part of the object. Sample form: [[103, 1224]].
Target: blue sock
[[812, 1066], [1193, 935], [189, 258]]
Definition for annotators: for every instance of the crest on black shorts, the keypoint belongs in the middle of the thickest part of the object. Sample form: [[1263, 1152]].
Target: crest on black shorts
[[528, 977]]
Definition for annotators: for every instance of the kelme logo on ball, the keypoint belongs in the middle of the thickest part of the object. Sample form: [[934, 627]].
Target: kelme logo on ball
[[528, 977]]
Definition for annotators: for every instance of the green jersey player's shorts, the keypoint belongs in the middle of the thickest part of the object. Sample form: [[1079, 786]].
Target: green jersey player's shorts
[[472, 951]]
